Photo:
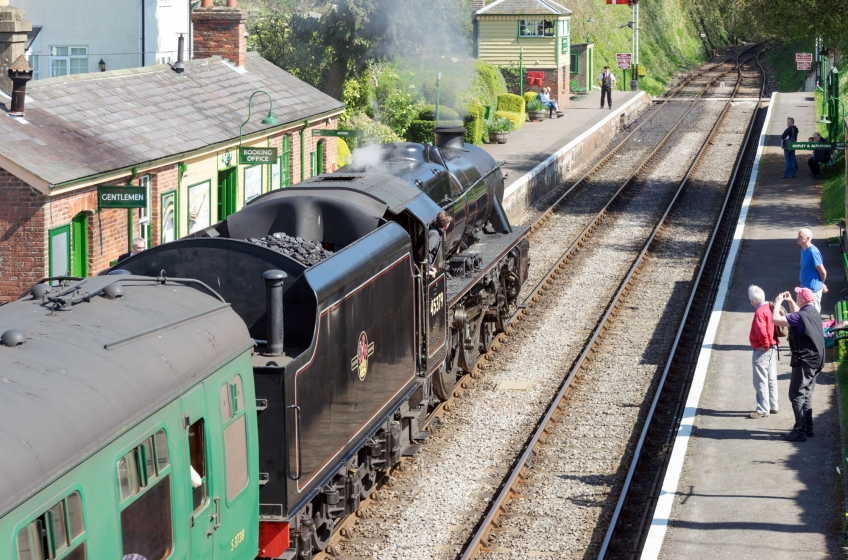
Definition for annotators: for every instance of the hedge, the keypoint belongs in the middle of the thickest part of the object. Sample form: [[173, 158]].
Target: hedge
[[343, 152], [516, 118], [428, 113], [529, 96], [491, 81], [475, 123], [510, 102], [421, 132]]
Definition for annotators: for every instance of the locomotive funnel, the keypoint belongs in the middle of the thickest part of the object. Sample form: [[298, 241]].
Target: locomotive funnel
[[450, 137]]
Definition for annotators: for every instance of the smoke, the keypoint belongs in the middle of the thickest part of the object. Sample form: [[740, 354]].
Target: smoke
[[368, 158]]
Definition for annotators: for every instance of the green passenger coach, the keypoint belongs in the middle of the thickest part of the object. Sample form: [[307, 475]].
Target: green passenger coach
[[127, 425]]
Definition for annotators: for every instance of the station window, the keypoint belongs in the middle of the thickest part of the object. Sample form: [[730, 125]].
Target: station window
[[575, 63], [144, 490], [535, 28], [56, 534], [235, 436]]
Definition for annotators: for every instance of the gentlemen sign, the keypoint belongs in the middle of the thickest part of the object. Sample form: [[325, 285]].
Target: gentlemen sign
[[121, 197], [816, 146], [257, 155], [333, 132]]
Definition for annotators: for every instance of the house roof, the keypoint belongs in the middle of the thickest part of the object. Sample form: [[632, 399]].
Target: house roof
[[524, 7], [84, 125]]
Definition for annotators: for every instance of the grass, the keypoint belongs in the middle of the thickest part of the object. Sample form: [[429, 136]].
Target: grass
[[781, 58], [833, 176]]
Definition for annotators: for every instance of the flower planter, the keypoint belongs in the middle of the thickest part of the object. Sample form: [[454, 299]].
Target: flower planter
[[498, 137], [536, 115]]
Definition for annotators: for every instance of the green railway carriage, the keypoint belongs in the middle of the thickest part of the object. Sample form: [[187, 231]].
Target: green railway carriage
[[127, 425]]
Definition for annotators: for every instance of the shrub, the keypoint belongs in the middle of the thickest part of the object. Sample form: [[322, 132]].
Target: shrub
[[475, 124], [372, 132], [488, 84], [499, 124], [535, 105], [511, 103], [530, 96], [428, 113], [421, 132], [343, 152], [517, 119]]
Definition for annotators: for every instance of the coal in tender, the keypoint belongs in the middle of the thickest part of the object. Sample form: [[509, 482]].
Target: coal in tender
[[307, 253]]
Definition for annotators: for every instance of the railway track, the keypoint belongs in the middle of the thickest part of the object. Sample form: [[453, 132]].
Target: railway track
[[535, 478], [623, 151]]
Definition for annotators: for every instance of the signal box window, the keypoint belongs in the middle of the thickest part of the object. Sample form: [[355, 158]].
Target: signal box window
[[197, 456], [57, 534], [144, 488], [235, 436], [535, 28]]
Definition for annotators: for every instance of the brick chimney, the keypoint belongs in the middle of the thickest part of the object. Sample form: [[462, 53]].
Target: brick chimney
[[219, 31], [13, 36]]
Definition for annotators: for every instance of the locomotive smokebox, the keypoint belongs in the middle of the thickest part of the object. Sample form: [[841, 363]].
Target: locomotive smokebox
[[450, 137]]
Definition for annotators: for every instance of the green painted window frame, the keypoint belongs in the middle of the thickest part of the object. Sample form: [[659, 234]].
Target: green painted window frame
[[574, 62], [207, 182], [546, 25], [51, 233], [235, 415], [244, 182], [73, 543], [175, 194], [285, 167]]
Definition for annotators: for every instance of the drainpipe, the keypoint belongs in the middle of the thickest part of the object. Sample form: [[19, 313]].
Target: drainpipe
[[142, 33], [303, 151]]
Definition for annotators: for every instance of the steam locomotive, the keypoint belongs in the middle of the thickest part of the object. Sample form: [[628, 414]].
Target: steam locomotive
[[261, 373]]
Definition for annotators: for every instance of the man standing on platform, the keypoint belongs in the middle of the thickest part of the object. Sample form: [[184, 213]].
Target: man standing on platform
[[813, 273], [764, 359], [806, 344], [607, 82]]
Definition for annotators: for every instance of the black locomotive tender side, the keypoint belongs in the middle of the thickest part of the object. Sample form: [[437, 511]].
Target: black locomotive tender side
[[353, 351]]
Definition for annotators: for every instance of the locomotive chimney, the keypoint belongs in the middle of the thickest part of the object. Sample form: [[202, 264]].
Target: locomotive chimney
[[450, 137], [20, 72], [274, 311]]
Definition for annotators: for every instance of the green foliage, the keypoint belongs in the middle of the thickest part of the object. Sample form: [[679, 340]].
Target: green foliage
[[833, 191], [511, 77], [781, 58], [275, 39], [356, 95], [535, 105], [422, 131], [372, 132], [488, 85], [428, 113], [500, 123], [475, 124], [343, 152], [530, 96], [511, 103], [517, 119]]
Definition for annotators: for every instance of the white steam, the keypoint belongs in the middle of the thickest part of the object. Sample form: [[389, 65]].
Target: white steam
[[367, 158]]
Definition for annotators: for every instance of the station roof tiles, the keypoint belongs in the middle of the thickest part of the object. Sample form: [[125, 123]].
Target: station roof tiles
[[524, 7], [86, 124]]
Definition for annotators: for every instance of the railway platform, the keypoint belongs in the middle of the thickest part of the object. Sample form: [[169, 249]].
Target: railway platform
[[540, 155], [734, 487]]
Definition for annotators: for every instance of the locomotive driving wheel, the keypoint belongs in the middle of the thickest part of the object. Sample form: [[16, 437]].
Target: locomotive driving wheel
[[444, 380]]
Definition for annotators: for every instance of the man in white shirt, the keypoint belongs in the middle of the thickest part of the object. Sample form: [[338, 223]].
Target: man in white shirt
[[607, 81]]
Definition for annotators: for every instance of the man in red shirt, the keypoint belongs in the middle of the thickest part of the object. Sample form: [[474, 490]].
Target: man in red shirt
[[764, 359]]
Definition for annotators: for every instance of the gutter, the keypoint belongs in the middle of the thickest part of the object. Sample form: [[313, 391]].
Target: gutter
[[142, 167]]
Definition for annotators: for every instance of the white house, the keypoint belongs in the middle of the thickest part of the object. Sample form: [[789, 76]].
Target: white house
[[74, 37]]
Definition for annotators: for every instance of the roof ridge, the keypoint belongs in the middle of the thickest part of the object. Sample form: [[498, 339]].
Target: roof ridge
[[495, 3]]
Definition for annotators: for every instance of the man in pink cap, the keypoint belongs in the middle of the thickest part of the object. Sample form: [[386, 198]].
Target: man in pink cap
[[806, 344]]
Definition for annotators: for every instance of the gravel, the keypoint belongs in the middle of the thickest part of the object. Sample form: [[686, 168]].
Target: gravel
[[305, 252]]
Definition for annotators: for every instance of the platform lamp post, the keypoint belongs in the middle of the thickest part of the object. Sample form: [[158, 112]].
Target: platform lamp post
[[521, 72], [438, 99], [588, 36], [833, 128], [270, 120]]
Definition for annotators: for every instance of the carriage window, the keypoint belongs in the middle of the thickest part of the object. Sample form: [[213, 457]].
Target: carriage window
[[235, 436], [144, 484], [197, 456], [57, 534]]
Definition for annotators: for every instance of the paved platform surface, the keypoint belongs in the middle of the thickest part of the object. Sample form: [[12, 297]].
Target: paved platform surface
[[534, 142], [745, 492]]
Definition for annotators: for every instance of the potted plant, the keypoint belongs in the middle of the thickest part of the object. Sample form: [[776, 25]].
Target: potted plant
[[498, 129], [535, 110]]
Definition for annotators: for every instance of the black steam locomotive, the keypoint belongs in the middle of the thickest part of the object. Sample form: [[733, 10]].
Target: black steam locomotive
[[355, 338]]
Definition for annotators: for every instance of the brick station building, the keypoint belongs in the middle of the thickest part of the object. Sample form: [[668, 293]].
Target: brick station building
[[175, 134]]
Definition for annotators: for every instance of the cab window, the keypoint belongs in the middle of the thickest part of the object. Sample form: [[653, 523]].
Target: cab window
[[56, 534], [235, 436], [144, 491]]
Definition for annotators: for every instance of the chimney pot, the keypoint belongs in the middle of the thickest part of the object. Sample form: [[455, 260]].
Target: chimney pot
[[20, 72], [219, 31]]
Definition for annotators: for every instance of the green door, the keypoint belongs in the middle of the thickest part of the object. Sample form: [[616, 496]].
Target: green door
[[201, 520], [227, 192], [320, 167], [60, 251], [235, 495], [79, 238]]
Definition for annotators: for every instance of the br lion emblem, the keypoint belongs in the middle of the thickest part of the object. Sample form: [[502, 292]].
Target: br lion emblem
[[364, 351]]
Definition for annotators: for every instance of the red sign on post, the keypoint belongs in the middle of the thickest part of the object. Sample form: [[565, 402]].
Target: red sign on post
[[623, 60], [620, 2], [804, 61]]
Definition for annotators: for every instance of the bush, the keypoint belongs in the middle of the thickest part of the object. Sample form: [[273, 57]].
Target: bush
[[421, 132], [342, 152], [428, 113], [475, 123], [511, 103], [535, 105], [372, 132], [530, 96], [517, 119], [500, 124], [488, 85]]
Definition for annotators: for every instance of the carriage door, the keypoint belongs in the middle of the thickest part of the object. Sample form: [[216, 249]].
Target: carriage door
[[201, 483]]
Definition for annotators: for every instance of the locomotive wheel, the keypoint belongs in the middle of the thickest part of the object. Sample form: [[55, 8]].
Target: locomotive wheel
[[368, 483], [444, 380], [322, 530], [488, 332]]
